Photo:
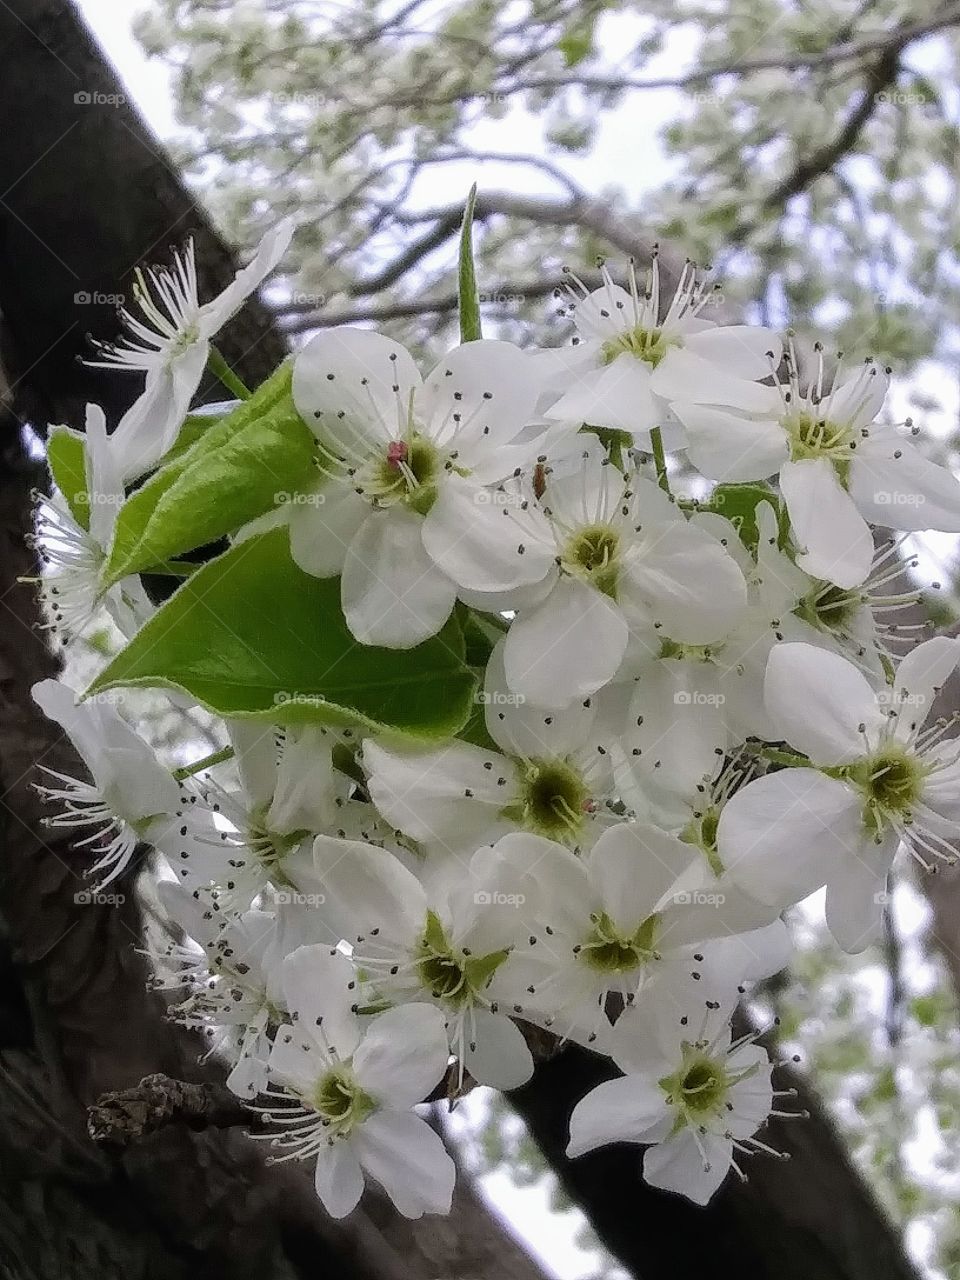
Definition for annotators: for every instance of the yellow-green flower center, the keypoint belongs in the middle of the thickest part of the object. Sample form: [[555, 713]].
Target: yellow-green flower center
[[648, 345], [340, 1101], [554, 800], [609, 950], [592, 553], [450, 973], [891, 781]]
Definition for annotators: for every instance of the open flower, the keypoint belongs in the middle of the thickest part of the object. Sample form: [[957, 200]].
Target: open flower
[[611, 922], [630, 360], [354, 1082], [171, 344], [73, 554], [552, 776], [406, 513], [838, 468], [131, 797], [441, 944], [628, 562], [691, 1093], [236, 842], [876, 777]]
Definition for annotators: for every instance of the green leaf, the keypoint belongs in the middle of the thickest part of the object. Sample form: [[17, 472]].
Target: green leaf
[[251, 635], [738, 503], [470, 328], [241, 467], [66, 459]]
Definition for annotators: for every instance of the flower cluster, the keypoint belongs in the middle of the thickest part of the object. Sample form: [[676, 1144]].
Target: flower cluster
[[517, 738]]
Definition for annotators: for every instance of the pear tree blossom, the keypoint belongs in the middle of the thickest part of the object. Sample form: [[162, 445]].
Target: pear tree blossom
[[522, 742]]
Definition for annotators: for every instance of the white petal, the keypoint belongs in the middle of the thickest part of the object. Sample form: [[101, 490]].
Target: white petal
[[392, 592], [817, 702], [478, 398], [677, 1165], [685, 374], [856, 893], [633, 865], [214, 315], [498, 1056], [150, 426], [681, 577], [604, 313], [484, 544], [920, 677], [343, 387], [323, 523], [305, 795], [621, 1110], [675, 725], [782, 836], [857, 399], [409, 1161], [835, 543], [531, 732], [731, 447], [316, 987], [403, 1054], [895, 486], [368, 888], [338, 1178], [567, 648], [256, 754], [741, 350], [448, 796], [616, 396]]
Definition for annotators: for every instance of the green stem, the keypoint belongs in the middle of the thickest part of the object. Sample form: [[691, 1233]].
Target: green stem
[[220, 369], [659, 459], [469, 308], [216, 757]]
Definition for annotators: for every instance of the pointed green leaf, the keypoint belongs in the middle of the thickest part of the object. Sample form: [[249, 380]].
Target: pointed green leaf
[[251, 635], [239, 468], [470, 328], [67, 461]]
